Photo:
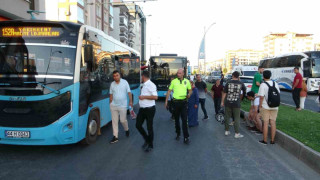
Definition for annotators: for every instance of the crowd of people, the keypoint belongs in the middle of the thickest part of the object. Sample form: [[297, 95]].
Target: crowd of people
[[184, 96]]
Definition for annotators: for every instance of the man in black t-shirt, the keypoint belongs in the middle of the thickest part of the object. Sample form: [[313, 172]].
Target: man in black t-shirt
[[231, 98]]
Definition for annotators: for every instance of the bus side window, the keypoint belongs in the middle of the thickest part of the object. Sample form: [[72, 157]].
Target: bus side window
[[306, 68]]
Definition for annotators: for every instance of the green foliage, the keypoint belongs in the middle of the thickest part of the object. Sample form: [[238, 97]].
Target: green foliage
[[303, 126]]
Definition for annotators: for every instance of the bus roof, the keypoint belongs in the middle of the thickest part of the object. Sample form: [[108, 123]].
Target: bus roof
[[111, 39]]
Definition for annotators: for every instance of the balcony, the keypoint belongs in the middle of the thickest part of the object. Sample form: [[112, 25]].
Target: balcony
[[123, 24], [123, 37], [132, 34], [131, 25]]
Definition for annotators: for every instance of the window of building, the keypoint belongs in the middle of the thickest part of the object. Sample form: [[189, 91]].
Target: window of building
[[98, 10], [105, 3], [111, 21], [32, 5], [105, 28], [98, 24], [105, 16]]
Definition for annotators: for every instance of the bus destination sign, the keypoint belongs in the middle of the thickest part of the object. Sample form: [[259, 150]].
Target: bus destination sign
[[29, 32]]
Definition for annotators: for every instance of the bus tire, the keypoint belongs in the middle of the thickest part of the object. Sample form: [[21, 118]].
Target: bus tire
[[93, 127]]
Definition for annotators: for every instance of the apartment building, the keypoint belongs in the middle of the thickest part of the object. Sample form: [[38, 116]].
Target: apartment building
[[242, 57], [281, 43]]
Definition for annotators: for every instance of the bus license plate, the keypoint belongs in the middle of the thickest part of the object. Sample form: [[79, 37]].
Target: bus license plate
[[17, 134]]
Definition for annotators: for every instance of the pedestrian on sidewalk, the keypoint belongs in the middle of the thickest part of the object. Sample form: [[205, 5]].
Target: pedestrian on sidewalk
[[303, 94], [202, 89], [232, 99], [119, 90], [269, 114], [257, 80], [147, 110], [193, 104], [216, 94], [296, 88], [181, 88]]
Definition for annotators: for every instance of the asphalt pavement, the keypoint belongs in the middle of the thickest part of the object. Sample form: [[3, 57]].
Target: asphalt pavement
[[210, 155]]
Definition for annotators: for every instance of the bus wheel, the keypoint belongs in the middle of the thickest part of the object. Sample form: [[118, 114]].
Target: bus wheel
[[92, 128]]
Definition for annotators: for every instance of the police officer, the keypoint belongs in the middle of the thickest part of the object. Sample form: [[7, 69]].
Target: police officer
[[182, 90]]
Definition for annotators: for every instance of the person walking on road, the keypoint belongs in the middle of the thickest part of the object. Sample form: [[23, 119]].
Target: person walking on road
[[269, 114], [193, 104], [216, 94], [232, 99], [303, 94], [202, 90], [257, 80], [119, 90], [296, 88], [147, 110], [181, 88]]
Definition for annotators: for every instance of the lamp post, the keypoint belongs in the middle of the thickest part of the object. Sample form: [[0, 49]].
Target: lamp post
[[204, 36]]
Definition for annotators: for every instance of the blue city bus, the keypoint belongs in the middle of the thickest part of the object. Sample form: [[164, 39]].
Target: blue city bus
[[163, 69], [55, 79]]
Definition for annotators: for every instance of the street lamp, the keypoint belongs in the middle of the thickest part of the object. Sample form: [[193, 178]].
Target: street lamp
[[204, 36]]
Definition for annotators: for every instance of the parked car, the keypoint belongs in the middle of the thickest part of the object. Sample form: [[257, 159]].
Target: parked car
[[247, 80]]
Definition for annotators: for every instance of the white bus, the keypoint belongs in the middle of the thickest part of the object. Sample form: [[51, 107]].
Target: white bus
[[282, 68], [246, 70]]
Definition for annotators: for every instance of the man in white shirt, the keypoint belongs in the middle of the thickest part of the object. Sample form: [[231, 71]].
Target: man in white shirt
[[269, 114], [147, 110], [119, 90]]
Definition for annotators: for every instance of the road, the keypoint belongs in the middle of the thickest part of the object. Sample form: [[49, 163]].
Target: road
[[210, 155], [310, 104]]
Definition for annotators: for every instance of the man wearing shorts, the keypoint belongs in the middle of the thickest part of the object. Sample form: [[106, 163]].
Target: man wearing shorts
[[269, 115]]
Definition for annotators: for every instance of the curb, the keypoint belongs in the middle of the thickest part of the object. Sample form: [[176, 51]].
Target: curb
[[298, 149]]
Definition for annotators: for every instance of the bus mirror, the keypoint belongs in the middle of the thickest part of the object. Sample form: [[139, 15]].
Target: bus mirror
[[88, 53]]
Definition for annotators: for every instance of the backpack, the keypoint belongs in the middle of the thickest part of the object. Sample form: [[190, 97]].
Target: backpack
[[273, 96]]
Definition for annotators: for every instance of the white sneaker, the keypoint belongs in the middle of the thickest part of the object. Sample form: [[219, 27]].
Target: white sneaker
[[238, 135], [227, 133]]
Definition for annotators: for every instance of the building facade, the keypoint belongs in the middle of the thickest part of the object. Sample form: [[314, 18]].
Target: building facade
[[281, 43], [242, 57], [17, 9], [317, 46]]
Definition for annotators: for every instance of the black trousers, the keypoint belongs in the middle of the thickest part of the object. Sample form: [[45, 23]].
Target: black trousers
[[146, 114], [296, 96], [217, 104], [203, 103], [180, 110]]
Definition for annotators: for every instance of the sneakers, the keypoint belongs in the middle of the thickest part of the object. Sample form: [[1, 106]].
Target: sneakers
[[148, 149], [272, 142], [127, 133], [145, 145], [238, 135], [227, 133], [186, 140], [114, 140], [206, 118], [263, 142]]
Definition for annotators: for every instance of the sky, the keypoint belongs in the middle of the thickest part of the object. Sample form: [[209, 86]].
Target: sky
[[177, 26]]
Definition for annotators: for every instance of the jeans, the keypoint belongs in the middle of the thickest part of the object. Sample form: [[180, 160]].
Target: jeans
[[296, 96], [217, 104], [203, 102], [229, 112], [146, 114], [180, 110]]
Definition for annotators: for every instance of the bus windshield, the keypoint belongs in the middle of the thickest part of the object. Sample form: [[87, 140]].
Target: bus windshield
[[165, 68], [36, 60], [316, 68]]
